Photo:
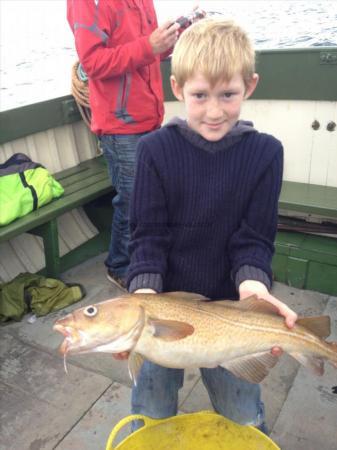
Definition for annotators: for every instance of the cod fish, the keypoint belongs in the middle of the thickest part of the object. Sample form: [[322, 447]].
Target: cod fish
[[184, 330]]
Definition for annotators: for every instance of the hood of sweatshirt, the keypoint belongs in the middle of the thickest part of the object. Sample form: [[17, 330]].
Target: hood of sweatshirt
[[240, 129]]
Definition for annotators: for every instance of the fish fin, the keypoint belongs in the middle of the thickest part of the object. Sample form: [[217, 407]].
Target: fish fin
[[253, 368], [333, 346], [170, 330], [65, 363], [320, 325], [236, 303], [252, 303], [184, 295], [313, 363], [135, 362]]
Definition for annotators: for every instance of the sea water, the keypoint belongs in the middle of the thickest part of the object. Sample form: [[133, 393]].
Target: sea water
[[37, 47]]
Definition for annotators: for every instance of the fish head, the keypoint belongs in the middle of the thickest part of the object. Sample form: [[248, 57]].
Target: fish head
[[112, 326]]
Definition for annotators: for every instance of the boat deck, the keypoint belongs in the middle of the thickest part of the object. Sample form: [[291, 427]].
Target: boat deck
[[44, 408]]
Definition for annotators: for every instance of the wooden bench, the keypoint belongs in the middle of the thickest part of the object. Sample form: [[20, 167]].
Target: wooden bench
[[310, 199], [82, 184]]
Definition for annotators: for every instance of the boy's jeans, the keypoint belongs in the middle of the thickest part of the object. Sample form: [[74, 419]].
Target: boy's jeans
[[156, 394], [120, 154]]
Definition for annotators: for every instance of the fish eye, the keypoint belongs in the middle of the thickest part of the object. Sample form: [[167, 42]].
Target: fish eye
[[90, 311]]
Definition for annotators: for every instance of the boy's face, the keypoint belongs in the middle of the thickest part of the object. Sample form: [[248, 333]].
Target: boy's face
[[212, 111]]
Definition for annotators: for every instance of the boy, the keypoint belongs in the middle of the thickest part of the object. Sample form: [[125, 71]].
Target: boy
[[204, 208]]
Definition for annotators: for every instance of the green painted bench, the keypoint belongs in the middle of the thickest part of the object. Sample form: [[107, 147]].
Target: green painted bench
[[304, 260], [311, 199], [82, 184]]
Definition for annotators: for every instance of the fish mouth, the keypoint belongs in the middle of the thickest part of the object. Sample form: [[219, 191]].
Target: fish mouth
[[70, 337], [65, 331]]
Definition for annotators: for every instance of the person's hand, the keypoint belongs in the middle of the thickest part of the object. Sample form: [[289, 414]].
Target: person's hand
[[252, 287], [164, 37], [125, 355], [121, 356], [145, 291]]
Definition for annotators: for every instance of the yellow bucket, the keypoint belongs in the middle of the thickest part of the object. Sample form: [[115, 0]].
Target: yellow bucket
[[204, 430]]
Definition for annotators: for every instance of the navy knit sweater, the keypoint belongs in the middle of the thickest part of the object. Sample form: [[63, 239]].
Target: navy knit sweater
[[201, 211]]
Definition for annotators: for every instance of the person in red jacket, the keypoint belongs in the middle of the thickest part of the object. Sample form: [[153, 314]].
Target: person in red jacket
[[119, 45]]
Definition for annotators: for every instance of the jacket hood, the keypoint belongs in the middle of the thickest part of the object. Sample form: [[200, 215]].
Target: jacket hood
[[240, 129]]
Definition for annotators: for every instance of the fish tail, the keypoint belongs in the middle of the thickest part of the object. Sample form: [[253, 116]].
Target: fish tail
[[315, 362]]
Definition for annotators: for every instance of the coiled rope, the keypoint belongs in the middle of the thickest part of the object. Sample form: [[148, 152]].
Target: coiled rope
[[80, 91]]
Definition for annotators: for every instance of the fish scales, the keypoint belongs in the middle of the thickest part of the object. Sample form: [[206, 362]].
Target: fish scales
[[244, 325], [248, 327]]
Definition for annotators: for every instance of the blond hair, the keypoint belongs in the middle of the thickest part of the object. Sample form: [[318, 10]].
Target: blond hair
[[218, 49]]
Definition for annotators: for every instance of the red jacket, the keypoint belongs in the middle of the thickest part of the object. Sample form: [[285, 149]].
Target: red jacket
[[112, 42]]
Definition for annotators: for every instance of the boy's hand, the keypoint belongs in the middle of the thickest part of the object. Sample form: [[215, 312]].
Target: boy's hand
[[252, 287], [164, 37], [124, 355], [145, 291], [120, 356]]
